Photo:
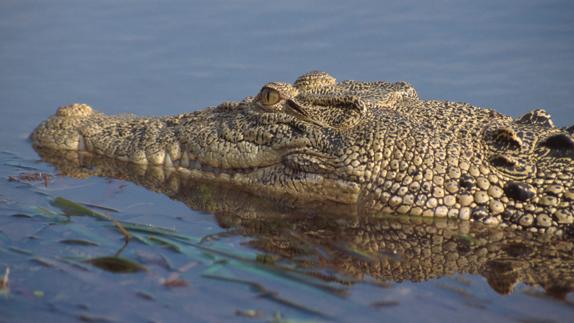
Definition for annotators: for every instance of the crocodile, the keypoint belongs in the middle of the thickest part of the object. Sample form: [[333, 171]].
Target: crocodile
[[373, 147], [334, 244]]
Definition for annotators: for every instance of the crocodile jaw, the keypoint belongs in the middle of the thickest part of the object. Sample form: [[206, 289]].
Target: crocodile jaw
[[200, 153]]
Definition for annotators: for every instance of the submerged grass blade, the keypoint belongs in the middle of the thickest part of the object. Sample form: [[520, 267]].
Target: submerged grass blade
[[165, 243], [49, 214], [72, 208], [101, 207], [150, 229]]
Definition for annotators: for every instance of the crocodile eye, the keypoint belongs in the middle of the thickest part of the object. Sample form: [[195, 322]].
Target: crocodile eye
[[269, 96]]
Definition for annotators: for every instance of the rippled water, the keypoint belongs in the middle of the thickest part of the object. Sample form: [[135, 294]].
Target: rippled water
[[165, 57]]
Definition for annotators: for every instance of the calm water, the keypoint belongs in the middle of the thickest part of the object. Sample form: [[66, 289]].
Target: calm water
[[166, 57]]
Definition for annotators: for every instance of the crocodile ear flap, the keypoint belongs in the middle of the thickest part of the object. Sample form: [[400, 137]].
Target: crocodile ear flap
[[335, 112]]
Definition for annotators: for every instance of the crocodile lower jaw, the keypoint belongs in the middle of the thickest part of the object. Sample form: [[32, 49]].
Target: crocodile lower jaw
[[258, 180]]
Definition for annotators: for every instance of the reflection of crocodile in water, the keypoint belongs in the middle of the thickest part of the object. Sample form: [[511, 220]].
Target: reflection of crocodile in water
[[326, 236], [372, 145]]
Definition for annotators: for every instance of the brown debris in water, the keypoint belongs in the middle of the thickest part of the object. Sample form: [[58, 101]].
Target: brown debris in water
[[5, 279], [32, 177]]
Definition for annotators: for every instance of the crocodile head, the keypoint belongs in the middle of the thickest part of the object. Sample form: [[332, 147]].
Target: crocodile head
[[374, 145], [298, 139]]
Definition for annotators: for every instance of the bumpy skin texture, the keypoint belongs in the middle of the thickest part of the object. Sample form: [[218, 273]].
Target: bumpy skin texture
[[318, 235], [373, 145]]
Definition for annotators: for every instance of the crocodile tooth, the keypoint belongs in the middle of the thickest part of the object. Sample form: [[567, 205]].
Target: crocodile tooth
[[224, 176], [167, 161], [138, 157], [88, 144], [156, 158], [81, 143], [184, 160], [175, 152]]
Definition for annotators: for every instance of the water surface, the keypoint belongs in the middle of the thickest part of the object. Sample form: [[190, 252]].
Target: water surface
[[158, 57]]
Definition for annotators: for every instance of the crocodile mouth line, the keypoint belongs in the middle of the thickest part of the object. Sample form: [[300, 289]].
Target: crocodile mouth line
[[184, 161], [195, 165]]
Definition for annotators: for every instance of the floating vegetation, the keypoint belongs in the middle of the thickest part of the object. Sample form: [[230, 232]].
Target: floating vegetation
[[49, 214], [170, 239], [122, 230], [145, 295], [385, 304], [101, 207], [22, 215], [249, 313], [44, 262], [28, 177], [174, 280], [164, 243], [115, 264], [79, 242], [95, 319], [20, 250], [147, 228]]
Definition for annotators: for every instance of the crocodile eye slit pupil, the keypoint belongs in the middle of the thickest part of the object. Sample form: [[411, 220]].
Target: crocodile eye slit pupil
[[269, 96]]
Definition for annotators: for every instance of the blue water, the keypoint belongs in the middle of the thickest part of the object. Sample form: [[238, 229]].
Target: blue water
[[166, 57]]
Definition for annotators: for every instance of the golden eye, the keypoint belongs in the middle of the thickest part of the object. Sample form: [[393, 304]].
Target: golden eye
[[269, 96]]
